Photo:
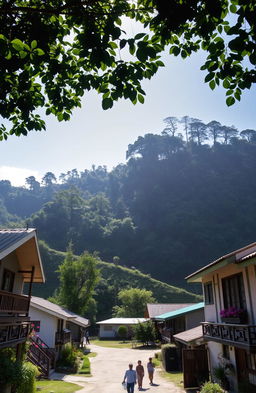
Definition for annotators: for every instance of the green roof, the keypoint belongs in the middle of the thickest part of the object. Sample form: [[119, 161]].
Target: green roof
[[180, 311]]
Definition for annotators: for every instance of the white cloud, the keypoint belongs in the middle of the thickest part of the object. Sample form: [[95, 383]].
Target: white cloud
[[17, 176]]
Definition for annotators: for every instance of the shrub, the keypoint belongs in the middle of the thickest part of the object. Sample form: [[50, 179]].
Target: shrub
[[85, 369], [169, 356], [210, 387], [68, 358], [145, 332], [9, 367], [219, 373], [27, 379], [122, 332]]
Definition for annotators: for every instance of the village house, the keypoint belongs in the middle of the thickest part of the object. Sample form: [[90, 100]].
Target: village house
[[54, 326], [229, 286], [109, 327], [180, 318], [19, 263]]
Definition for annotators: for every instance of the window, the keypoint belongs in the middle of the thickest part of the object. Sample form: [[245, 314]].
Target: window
[[8, 280], [107, 327], [208, 293], [35, 325], [233, 291]]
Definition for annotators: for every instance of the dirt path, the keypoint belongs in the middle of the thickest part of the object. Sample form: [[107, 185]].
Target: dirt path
[[108, 369]]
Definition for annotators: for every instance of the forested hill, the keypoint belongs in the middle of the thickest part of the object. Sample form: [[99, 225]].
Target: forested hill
[[113, 279], [172, 208]]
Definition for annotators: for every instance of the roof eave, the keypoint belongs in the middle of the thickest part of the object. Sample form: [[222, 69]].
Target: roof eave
[[199, 274], [51, 312]]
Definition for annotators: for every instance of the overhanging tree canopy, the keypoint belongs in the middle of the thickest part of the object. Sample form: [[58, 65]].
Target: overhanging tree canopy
[[52, 51]]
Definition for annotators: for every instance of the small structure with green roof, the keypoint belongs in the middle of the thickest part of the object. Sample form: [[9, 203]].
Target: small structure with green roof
[[179, 320]]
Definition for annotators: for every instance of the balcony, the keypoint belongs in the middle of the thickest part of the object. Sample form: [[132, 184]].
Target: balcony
[[12, 303], [242, 336], [12, 333], [62, 337]]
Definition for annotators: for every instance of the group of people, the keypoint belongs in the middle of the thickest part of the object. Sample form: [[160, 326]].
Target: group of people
[[131, 376]]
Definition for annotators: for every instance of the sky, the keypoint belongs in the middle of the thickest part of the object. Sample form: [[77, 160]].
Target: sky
[[98, 137]]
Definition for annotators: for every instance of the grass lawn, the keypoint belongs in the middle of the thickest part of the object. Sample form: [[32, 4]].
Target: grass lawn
[[174, 376], [112, 343], [57, 387]]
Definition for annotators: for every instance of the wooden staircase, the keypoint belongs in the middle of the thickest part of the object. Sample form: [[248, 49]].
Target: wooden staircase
[[41, 355]]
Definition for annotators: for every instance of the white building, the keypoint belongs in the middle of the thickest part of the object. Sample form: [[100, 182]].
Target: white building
[[54, 326], [229, 286], [109, 327]]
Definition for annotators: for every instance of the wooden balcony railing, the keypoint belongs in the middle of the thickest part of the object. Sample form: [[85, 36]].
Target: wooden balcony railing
[[62, 337], [13, 332], [12, 303], [243, 336]]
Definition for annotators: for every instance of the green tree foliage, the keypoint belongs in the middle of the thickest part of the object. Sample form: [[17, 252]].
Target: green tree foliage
[[54, 51], [133, 302], [145, 332], [113, 279], [122, 332], [78, 277], [174, 206]]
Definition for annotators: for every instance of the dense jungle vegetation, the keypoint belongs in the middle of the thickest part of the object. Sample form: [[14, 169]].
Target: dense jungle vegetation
[[113, 278], [183, 198]]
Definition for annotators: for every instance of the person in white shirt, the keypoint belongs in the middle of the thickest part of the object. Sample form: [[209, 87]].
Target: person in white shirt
[[130, 377]]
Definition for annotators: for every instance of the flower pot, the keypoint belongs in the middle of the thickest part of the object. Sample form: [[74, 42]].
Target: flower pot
[[234, 320]]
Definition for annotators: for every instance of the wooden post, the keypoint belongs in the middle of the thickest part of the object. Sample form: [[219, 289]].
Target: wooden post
[[31, 281]]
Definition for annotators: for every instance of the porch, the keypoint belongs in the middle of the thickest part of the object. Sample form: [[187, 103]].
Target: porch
[[240, 336]]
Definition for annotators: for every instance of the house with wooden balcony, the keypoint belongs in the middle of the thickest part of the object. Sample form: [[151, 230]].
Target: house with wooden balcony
[[54, 326], [229, 286], [19, 263]]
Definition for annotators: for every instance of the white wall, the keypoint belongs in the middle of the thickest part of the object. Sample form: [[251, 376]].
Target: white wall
[[113, 332], [48, 325]]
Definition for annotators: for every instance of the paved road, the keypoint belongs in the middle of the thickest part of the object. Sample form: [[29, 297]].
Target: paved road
[[108, 369]]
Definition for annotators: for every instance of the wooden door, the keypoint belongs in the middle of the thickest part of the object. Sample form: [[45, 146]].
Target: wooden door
[[195, 367], [241, 365]]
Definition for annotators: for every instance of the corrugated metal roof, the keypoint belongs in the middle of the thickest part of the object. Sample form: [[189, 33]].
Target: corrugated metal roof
[[122, 321], [190, 335], [8, 237], [162, 308], [57, 310], [247, 257], [230, 257], [180, 311]]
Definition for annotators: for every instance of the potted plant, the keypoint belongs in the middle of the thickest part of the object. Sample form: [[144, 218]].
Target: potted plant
[[233, 315]]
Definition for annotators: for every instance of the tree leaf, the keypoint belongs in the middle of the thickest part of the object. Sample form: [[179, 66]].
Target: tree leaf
[[230, 101], [17, 44], [107, 103]]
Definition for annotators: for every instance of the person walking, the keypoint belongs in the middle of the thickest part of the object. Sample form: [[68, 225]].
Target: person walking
[[151, 369], [130, 377], [140, 374], [87, 337]]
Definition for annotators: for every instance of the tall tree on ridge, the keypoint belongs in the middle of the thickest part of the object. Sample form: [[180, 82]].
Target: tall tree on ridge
[[228, 133], [48, 179], [215, 130], [171, 125], [198, 131], [249, 135]]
